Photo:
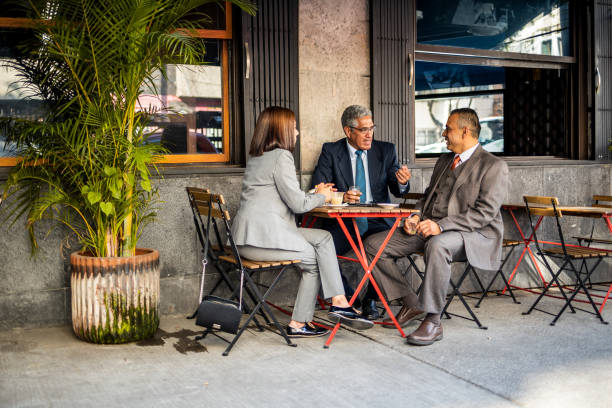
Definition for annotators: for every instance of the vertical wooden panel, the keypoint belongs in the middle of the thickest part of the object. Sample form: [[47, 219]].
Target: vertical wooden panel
[[603, 78], [273, 47], [392, 51]]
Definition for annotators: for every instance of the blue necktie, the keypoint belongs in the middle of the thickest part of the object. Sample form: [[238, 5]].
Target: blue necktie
[[360, 181]]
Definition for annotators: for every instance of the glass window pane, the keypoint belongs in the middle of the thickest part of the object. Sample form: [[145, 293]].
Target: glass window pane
[[441, 88], [535, 27], [15, 102], [188, 115]]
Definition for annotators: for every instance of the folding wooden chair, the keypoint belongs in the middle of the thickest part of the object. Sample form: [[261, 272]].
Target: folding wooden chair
[[507, 243], [601, 201], [213, 206], [199, 209], [547, 206]]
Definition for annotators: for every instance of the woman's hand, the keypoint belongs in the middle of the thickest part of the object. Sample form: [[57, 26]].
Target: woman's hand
[[325, 189]]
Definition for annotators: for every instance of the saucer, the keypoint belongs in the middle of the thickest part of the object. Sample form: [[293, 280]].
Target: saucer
[[335, 205], [387, 205]]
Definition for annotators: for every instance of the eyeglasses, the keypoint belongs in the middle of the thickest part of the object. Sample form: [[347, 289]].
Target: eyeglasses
[[364, 129]]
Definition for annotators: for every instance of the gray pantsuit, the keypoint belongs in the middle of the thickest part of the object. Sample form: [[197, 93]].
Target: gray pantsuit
[[264, 228], [318, 259]]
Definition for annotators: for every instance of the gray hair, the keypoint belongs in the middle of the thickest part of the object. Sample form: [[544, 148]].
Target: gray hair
[[467, 118], [352, 113]]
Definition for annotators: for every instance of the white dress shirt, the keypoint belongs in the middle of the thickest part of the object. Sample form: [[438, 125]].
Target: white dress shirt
[[364, 158]]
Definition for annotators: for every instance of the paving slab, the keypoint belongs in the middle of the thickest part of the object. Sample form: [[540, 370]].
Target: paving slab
[[520, 361]]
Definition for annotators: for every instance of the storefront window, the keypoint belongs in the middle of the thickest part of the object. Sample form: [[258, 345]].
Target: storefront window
[[534, 27], [440, 88]]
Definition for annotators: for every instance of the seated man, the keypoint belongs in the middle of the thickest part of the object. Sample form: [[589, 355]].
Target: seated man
[[460, 219], [369, 164]]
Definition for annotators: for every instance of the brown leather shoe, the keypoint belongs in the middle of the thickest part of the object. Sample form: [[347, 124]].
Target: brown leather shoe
[[403, 317], [426, 334]]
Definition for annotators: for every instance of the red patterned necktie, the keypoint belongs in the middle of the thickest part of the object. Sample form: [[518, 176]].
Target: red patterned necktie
[[455, 162]]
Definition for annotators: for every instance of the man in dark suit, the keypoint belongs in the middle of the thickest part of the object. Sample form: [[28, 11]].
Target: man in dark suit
[[460, 219], [359, 160]]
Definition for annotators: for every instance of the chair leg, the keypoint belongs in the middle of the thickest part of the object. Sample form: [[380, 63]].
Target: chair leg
[[457, 293], [554, 279], [499, 272], [418, 272], [261, 303], [581, 284]]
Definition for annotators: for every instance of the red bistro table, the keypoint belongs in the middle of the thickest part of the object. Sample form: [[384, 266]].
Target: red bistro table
[[340, 213], [590, 212]]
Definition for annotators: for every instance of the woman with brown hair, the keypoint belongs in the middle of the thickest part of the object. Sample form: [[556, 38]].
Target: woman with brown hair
[[264, 228]]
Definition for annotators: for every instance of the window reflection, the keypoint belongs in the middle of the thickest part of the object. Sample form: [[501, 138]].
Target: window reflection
[[442, 87], [534, 27], [188, 114], [15, 102]]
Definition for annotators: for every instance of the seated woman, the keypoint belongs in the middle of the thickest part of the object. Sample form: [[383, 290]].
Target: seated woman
[[264, 228]]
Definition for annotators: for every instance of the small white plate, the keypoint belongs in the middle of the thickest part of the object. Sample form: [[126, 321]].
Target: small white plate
[[387, 205], [336, 205]]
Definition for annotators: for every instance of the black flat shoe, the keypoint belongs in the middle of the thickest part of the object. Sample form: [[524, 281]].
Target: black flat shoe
[[349, 317], [308, 330]]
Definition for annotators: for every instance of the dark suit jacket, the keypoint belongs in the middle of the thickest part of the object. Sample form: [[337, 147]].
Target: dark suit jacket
[[474, 205], [334, 166]]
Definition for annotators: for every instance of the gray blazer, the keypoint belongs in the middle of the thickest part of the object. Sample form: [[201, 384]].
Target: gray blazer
[[474, 206], [269, 200]]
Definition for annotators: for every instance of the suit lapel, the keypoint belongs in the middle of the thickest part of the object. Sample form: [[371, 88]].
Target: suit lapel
[[344, 163], [469, 167]]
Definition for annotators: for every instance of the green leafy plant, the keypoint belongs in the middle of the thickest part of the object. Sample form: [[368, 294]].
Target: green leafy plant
[[87, 164]]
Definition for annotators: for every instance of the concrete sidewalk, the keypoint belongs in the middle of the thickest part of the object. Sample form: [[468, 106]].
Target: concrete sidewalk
[[520, 361]]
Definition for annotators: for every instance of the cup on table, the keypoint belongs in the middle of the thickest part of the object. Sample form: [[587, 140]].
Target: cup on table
[[354, 190], [336, 198]]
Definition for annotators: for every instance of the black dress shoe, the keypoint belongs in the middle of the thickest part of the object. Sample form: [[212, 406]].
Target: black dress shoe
[[308, 330], [349, 317], [369, 309]]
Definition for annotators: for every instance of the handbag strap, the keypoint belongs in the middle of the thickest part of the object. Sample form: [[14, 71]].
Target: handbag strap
[[204, 262]]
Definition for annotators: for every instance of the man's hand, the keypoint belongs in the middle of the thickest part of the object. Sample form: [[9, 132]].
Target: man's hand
[[403, 174], [410, 224], [352, 196], [428, 228]]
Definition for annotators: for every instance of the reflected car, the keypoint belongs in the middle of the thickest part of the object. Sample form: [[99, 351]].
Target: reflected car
[[491, 138]]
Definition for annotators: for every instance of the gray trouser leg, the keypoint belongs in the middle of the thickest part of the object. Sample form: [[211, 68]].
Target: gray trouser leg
[[386, 272], [317, 260], [440, 251]]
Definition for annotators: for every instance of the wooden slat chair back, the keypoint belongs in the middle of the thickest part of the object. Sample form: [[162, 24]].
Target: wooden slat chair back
[[567, 254], [213, 206], [599, 201]]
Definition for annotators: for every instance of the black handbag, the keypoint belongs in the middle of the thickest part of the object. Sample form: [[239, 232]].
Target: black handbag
[[218, 313]]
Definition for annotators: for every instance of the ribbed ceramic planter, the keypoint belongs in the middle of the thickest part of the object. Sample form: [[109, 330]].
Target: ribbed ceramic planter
[[115, 300]]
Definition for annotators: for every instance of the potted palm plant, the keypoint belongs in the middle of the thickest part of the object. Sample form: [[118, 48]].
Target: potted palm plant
[[87, 163]]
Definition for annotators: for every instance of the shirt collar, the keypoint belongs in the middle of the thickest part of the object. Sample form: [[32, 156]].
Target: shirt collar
[[463, 157], [352, 151]]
